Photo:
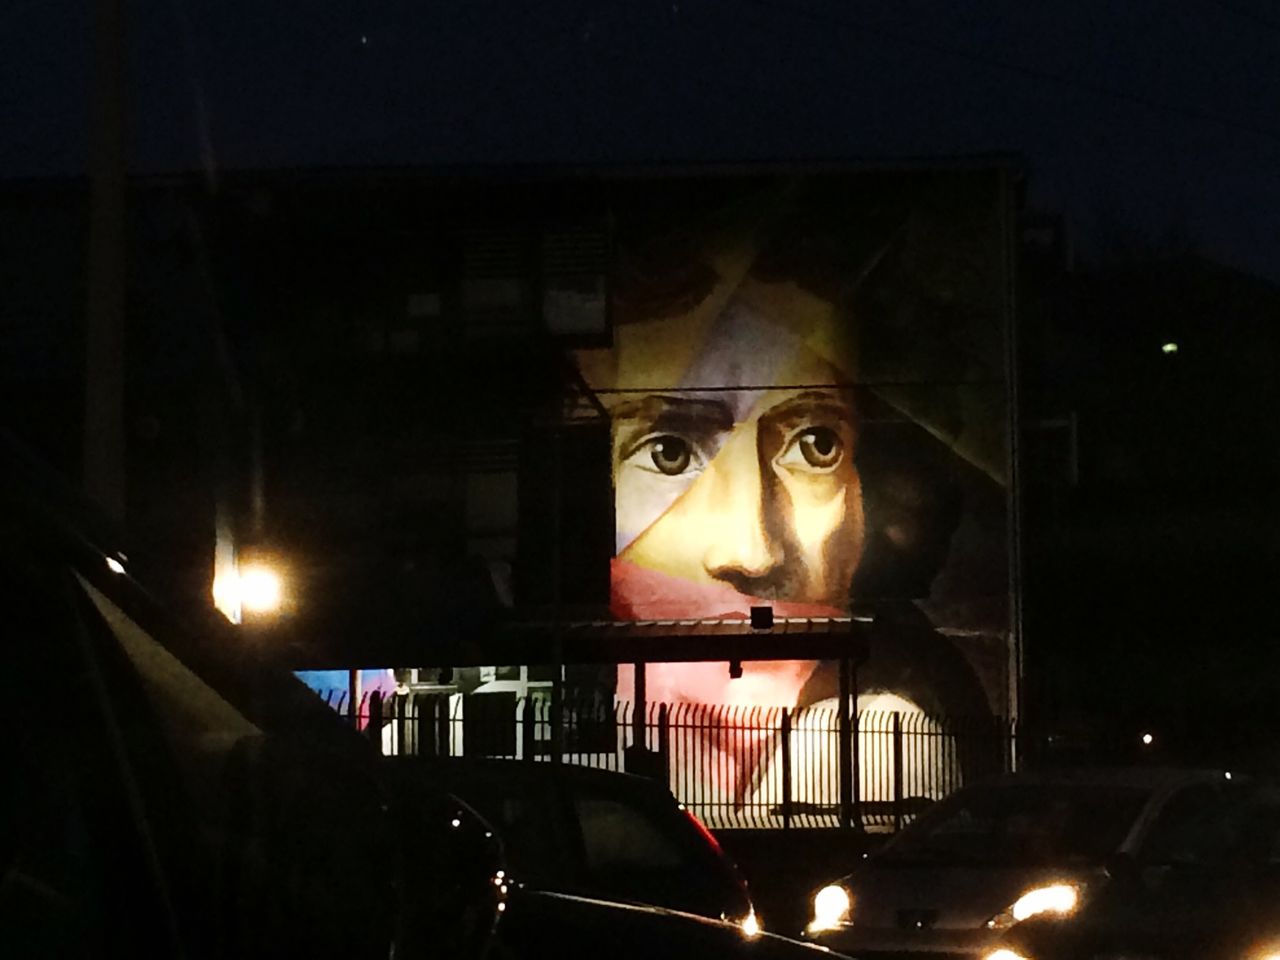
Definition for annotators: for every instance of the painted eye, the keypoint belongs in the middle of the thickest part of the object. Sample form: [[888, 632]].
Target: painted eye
[[818, 449], [670, 455]]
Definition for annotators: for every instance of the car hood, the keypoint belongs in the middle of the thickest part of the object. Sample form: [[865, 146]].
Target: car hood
[[542, 924], [943, 897]]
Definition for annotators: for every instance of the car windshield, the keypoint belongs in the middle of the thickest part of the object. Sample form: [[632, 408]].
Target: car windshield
[[1023, 825]]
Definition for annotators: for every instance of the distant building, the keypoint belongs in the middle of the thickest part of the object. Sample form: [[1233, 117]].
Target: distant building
[[440, 402]]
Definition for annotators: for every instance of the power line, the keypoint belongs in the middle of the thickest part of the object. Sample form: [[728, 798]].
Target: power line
[[1009, 66]]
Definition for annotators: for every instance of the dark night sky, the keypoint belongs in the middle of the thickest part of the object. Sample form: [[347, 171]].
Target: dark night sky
[[396, 82]]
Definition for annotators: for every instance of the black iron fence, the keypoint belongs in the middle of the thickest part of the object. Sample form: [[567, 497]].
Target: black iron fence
[[732, 766]]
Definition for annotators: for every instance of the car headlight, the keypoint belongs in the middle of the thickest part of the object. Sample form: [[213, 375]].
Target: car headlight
[[1060, 899], [832, 907]]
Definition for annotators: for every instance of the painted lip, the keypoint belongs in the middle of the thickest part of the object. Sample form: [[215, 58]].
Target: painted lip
[[639, 593]]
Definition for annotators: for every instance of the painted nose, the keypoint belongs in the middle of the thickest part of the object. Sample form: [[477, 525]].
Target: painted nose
[[741, 549]]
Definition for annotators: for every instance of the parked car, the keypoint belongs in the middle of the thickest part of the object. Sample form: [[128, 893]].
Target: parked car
[[168, 792], [997, 853], [171, 792], [595, 833], [1208, 889], [544, 924]]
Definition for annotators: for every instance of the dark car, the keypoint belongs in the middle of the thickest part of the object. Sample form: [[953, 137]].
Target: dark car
[[172, 793], [596, 833], [543, 924], [168, 792], [1207, 888], [1000, 852]]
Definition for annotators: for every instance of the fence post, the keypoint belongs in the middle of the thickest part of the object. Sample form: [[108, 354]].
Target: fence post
[[557, 708], [421, 724], [442, 725], [786, 768], [374, 730], [528, 721], [897, 770], [855, 762], [664, 743], [844, 740], [639, 707], [401, 702]]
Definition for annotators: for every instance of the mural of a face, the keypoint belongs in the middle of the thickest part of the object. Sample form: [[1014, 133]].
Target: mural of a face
[[735, 483], [755, 492]]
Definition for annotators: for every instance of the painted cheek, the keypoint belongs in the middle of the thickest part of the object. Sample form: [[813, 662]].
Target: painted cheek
[[639, 500], [673, 539], [824, 509]]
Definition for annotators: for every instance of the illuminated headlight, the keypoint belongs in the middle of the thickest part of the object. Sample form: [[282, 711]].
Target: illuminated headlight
[[832, 906], [750, 925], [1004, 954], [1059, 899]]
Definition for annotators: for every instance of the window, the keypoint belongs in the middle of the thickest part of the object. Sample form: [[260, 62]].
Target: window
[[1023, 825], [575, 265], [1188, 828], [617, 836]]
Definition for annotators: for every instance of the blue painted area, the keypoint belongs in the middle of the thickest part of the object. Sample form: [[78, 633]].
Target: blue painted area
[[332, 684]]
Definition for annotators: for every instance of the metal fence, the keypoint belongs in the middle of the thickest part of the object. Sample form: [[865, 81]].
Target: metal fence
[[735, 767]]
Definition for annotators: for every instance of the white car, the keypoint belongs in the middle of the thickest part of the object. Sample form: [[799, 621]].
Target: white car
[[993, 854]]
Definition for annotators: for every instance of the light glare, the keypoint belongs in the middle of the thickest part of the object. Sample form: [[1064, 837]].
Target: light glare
[[750, 925], [1003, 954], [1169, 347], [1147, 739], [830, 907], [1060, 898], [260, 589], [114, 565]]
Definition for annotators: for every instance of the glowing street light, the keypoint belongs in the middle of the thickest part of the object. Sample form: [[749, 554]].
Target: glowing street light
[[255, 588], [261, 589]]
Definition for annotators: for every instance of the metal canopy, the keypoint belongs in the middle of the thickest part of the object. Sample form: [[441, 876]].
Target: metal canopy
[[664, 641]]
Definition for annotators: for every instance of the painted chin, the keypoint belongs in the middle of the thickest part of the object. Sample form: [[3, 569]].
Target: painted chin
[[643, 594], [775, 683]]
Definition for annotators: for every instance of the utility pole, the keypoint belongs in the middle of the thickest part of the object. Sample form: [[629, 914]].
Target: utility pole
[[103, 437]]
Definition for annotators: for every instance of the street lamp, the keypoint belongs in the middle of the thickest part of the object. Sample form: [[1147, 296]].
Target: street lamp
[[261, 589], [249, 588]]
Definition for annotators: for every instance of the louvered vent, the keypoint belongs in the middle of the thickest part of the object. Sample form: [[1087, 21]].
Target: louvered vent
[[495, 278], [575, 265]]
